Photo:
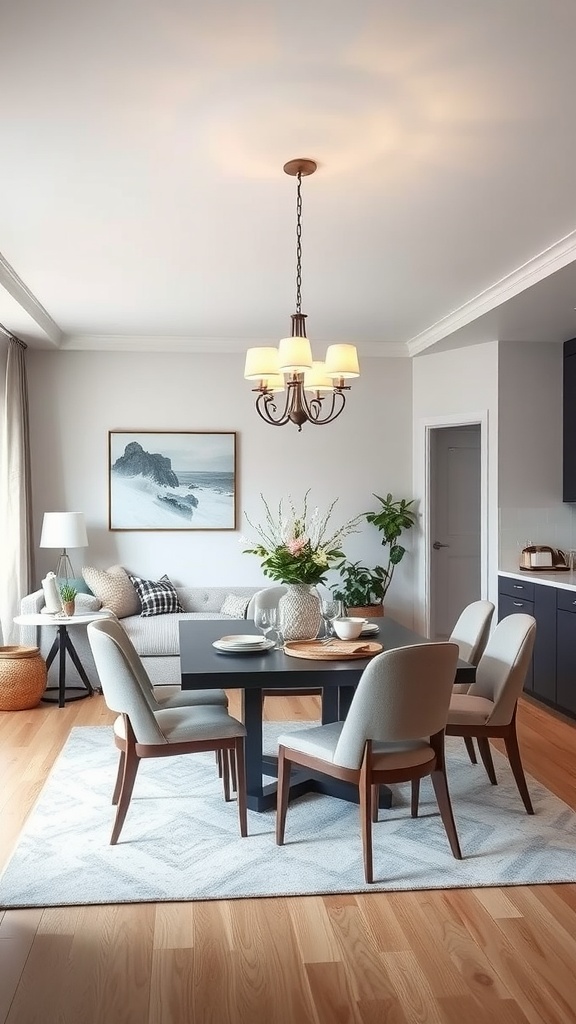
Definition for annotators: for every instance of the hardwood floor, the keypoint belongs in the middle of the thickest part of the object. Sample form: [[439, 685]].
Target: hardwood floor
[[465, 956]]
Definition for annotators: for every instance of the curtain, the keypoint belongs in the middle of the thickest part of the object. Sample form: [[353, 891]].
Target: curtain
[[16, 536]]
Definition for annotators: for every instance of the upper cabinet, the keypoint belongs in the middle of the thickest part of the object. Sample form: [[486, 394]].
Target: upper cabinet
[[569, 422]]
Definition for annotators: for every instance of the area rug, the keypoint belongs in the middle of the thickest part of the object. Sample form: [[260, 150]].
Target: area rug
[[181, 842]]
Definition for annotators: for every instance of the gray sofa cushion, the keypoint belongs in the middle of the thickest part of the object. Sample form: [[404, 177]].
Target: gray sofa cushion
[[157, 635]]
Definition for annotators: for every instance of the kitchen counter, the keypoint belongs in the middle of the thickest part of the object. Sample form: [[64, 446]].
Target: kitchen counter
[[562, 580]]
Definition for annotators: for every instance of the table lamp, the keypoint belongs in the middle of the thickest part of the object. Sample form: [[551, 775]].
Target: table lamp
[[64, 530]]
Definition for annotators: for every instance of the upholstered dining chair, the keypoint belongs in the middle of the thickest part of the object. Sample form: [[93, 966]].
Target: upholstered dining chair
[[172, 695], [488, 709], [394, 732], [144, 730], [268, 598], [471, 633]]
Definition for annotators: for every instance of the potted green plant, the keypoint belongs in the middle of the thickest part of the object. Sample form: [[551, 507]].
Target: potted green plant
[[68, 595], [363, 590]]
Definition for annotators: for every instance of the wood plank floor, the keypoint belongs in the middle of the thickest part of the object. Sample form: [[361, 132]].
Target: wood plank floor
[[502, 956]]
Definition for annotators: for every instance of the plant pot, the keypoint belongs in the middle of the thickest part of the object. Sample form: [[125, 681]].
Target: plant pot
[[68, 607], [368, 611], [22, 678]]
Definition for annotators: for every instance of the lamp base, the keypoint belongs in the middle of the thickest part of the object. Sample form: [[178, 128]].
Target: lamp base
[[64, 570]]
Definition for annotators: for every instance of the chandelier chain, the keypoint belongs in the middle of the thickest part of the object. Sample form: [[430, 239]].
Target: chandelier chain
[[299, 244]]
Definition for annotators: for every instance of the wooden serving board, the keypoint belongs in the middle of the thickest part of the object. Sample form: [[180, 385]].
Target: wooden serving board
[[336, 650]]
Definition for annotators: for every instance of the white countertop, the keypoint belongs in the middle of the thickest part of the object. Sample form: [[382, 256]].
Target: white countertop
[[562, 580]]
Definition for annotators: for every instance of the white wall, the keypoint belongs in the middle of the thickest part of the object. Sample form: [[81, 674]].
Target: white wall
[[77, 397], [530, 446], [461, 383]]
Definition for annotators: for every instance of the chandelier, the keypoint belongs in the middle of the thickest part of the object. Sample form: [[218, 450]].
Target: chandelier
[[314, 388]]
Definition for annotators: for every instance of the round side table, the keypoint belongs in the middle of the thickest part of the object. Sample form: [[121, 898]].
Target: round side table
[[63, 645]]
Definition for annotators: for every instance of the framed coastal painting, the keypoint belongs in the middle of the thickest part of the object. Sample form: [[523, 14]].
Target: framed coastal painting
[[171, 480]]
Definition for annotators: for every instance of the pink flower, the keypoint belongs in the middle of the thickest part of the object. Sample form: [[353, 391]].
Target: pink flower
[[297, 545]]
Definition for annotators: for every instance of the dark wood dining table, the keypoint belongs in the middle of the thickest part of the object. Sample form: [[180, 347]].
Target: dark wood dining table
[[202, 666]]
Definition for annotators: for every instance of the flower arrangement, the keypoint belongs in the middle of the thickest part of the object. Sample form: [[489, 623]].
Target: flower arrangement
[[294, 546]]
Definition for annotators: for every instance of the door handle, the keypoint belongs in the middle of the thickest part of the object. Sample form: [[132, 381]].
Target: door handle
[[437, 545]]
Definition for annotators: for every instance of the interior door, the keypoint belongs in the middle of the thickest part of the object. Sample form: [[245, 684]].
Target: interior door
[[455, 486]]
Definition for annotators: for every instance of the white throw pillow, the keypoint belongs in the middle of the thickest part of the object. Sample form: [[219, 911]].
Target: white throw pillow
[[235, 605]]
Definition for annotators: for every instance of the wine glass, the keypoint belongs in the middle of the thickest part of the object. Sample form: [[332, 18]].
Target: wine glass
[[331, 609], [265, 620]]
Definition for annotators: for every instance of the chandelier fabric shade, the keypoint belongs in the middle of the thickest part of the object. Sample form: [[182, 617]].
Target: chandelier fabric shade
[[291, 367]]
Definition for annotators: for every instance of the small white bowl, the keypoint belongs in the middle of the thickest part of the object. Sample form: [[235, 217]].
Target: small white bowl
[[348, 628]]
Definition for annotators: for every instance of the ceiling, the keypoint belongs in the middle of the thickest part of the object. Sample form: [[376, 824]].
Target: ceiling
[[143, 203]]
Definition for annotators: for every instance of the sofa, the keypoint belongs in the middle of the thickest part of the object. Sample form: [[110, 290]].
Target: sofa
[[155, 637]]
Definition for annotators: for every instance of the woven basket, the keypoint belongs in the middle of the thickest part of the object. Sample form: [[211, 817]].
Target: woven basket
[[22, 678]]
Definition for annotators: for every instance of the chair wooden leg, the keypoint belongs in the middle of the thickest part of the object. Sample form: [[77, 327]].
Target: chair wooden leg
[[469, 744], [232, 762], [366, 791], [225, 762], [131, 762], [219, 756], [284, 767], [240, 777], [375, 800], [415, 797], [118, 784], [486, 755], [440, 783], [513, 751]]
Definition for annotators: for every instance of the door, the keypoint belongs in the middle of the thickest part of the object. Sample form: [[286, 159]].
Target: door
[[455, 527]]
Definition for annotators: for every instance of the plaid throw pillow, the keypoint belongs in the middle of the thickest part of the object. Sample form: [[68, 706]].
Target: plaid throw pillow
[[157, 597]]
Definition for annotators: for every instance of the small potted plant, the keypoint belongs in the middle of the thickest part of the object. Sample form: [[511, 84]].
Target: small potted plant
[[68, 595], [363, 590]]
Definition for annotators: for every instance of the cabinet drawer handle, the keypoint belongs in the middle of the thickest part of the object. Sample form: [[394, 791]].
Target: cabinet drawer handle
[[520, 604], [517, 586]]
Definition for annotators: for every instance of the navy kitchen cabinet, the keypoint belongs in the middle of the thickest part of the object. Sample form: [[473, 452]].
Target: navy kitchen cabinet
[[569, 422], [566, 651], [551, 677]]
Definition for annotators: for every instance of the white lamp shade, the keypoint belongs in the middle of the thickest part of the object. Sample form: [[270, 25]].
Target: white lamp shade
[[261, 362], [294, 355], [317, 379], [342, 361], [63, 530]]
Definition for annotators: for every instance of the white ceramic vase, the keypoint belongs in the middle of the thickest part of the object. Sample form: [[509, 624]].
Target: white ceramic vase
[[300, 613]]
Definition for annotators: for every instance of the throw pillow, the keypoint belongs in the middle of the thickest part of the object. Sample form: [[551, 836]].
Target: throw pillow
[[157, 597], [113, 589], [235, 606]]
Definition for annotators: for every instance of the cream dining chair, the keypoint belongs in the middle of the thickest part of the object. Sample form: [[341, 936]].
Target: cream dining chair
[[143, 729], [488, 709], [393, 732], [471, 633], [269, 598]]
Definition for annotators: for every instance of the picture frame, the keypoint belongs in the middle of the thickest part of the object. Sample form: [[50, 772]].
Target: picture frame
[[171, 480]]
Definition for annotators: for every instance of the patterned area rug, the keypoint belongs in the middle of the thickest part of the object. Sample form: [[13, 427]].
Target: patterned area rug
[[181, 841]]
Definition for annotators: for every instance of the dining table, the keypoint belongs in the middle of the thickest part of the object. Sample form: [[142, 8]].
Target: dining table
[[202, 666]]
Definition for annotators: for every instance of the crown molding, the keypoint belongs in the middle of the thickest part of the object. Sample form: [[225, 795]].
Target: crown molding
[[539, 267], [24, 298], [199, 346]]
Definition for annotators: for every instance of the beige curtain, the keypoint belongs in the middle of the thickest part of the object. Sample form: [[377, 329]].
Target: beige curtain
[[16, 537]]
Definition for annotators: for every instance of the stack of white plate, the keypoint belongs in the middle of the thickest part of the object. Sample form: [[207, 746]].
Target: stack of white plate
[[243, 644], [369, 628]]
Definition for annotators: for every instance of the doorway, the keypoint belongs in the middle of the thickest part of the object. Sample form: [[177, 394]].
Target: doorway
[[456, 534]]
